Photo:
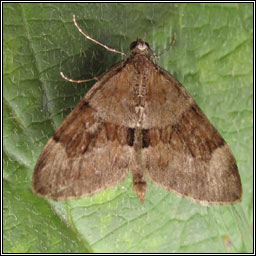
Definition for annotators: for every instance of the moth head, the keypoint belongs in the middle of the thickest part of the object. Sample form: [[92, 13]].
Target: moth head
[[139, 46]]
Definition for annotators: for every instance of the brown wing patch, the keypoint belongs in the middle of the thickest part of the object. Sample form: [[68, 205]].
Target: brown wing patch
[[83, 157], [191, 158]]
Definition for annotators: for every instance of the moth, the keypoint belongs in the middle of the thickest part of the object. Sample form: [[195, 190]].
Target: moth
[[137, 118]]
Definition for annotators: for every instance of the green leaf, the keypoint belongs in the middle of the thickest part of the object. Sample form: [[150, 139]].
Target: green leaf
[[212, 58]]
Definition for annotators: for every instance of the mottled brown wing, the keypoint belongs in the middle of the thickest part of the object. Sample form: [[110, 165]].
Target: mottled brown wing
[[182, 151], [92, 149]]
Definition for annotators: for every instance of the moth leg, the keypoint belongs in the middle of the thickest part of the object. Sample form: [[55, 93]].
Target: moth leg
[[167, 49], [77, 81], [96, 42]]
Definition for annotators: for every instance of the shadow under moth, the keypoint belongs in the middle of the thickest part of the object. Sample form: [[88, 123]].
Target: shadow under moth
[[137, 118]]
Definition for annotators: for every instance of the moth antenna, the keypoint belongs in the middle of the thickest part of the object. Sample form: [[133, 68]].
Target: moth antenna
[[88, 37], [77, 81], [167, 49]]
